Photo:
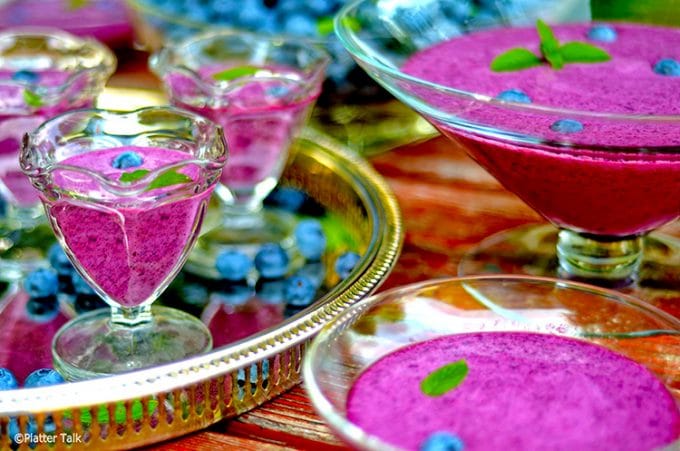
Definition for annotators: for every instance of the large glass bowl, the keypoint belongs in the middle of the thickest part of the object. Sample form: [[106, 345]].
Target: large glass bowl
[[605, 189], [381, 324]]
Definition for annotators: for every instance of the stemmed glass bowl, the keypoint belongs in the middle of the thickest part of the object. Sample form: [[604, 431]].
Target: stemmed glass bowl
[[43, 72], [126, 194], [260, 90], [605, 187]]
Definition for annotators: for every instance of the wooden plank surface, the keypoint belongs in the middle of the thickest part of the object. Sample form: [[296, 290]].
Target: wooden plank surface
[[449, 204]]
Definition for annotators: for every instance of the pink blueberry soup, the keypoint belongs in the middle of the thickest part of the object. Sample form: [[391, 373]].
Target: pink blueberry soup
[[522, 390], [130, 245], [613, 177], [17, 118], [260, 116]]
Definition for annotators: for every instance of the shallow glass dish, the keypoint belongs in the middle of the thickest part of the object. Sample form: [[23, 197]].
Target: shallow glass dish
[[381, 324]]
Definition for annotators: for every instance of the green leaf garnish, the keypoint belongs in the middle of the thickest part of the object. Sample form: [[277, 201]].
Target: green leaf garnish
[[552, 52], [167, 178], [581, 52], [515, 59], [32, 99], [77, 4], [119, 414], [129, 177], [235, 72], [444, 379], [550, 46], [324, 26]]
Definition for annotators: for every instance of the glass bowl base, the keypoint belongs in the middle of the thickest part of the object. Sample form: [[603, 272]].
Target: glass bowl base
[[246, 234], [532, 250], [91, 346]]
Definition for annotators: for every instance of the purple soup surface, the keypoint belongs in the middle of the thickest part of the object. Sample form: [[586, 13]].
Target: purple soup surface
[[128, 248], [598, 180], [523, 391]]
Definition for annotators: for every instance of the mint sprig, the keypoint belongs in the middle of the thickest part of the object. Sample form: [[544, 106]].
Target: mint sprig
[[235, 72], [445, 379], [77, 4], [552, 52], [32, 99], [166, 178]]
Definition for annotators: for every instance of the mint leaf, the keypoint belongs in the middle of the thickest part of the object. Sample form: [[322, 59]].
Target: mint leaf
[[550, 46], [235, 72], [444, 379], [77, 4], [133, 176], [324, 26], [32, 99], [168, 178], [515, 59], [581, 52]]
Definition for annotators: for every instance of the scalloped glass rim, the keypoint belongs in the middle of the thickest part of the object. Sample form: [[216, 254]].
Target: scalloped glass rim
[[355, 435], [105, 66], [348, 38]]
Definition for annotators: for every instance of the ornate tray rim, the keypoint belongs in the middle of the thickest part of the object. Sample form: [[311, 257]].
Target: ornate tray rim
[[381, 255]]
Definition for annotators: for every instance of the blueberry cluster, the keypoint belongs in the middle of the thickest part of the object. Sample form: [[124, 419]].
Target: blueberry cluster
[[271, 267], [39, 378]]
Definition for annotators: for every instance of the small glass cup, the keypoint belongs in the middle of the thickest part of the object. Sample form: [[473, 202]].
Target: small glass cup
[[43, 72], [127, 227], [260, 90]]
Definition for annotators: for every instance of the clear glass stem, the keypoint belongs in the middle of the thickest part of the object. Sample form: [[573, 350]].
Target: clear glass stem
[[592, 257], [131, 316]]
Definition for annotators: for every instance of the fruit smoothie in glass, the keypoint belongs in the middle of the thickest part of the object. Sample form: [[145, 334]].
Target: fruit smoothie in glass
[[513, 390], [128, 246], [602, 174], [260, 114]]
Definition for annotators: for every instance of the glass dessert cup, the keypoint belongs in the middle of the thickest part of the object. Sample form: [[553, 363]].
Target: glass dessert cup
[[43, 72], [260, 90], [126, 228], [604, 187], [485, 305]]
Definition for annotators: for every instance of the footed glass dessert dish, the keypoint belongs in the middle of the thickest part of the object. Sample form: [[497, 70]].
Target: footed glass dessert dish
[[260, 90], [43, 72], [552, 364], [578, 119], [126, 194]]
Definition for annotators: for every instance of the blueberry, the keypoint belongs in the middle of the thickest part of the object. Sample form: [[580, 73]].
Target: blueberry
[[42, 310], [668, 67], [26, 76], [41, 283], [43, 377], [300, 291], [233, 265], [346, 263], [128, 159], [314, 271], [58, 259], [300, 25], [233, 293], [271, 261], [80, 286], [514, 95], [271, 291], [566, 126], [7, 380], [287, 198], [194, 294], [602, 33], [87, 302], [442, 441], [310, 239]]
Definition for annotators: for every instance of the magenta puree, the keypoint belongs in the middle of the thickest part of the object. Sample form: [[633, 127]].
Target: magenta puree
[[17, 118], [608, 191], [523, 391], [260, 120], [128, 246]]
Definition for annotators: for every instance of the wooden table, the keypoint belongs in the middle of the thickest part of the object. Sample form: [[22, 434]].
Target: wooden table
[[449, 204]]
